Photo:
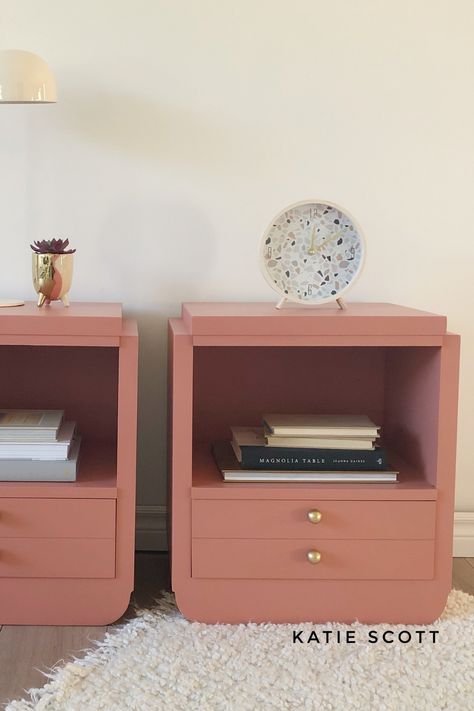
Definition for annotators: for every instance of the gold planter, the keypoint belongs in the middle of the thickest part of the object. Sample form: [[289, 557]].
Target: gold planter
[[52, 277]]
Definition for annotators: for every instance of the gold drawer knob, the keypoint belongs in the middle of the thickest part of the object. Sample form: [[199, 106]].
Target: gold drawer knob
[[314, 516], [313, 557]]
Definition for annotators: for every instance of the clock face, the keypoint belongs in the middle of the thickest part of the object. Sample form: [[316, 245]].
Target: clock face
[[312, 252]]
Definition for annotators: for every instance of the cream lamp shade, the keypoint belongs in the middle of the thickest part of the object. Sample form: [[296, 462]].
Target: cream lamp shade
[[25, 78]]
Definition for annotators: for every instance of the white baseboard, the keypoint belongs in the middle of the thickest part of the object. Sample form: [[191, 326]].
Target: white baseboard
[[463, 534], [152, 533]]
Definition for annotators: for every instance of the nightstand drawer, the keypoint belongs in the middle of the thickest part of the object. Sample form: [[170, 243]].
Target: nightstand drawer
[[282, 559], [57, 518], [324, 519], [57, 558]]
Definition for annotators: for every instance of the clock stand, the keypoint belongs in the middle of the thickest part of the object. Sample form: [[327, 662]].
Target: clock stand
[[240, 550], [340, 302]]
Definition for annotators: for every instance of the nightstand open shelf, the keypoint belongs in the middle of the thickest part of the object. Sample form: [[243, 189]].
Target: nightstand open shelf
[[208, 484], [239, 550], [82, 380], [237, 385], [67, 548]]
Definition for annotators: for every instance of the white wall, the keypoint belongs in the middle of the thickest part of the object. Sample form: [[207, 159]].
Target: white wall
[[183, 126]]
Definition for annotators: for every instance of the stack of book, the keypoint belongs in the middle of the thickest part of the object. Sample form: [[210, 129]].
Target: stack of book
[[321, 448], [37, 445]]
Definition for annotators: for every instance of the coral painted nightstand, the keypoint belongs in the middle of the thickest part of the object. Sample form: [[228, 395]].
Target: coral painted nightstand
[[240, 550], [67, 549]]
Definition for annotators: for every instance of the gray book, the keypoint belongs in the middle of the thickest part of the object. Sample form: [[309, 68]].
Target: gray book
[[41, 470]]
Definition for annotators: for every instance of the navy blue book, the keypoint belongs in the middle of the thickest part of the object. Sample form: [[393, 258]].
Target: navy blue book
[[252, 453]]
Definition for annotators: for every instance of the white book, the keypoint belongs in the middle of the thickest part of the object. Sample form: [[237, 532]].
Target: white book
[[321, 425], [335, 477], [44, 450], [34, 470], [320, 442], [29, 425]]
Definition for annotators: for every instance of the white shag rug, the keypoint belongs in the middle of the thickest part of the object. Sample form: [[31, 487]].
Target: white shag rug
[[160, 661]]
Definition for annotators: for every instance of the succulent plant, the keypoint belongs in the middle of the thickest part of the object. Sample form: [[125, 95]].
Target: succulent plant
[[52, 246]]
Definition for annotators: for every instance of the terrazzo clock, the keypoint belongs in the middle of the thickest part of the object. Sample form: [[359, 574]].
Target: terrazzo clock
[[312, 253]]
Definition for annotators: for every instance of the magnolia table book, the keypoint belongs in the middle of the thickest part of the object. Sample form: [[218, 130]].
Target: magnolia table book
[[232, 471]]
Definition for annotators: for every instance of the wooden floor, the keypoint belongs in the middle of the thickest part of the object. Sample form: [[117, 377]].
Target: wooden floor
[[24, 651]]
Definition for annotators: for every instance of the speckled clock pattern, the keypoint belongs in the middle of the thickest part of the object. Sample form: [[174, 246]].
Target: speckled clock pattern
[[312, 252]]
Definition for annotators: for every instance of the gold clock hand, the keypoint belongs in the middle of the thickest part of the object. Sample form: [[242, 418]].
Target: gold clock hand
[[327, 241], [312, 248]]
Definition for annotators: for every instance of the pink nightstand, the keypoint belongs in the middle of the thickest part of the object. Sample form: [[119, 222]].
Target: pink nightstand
[[239, 550], [67, 549]]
